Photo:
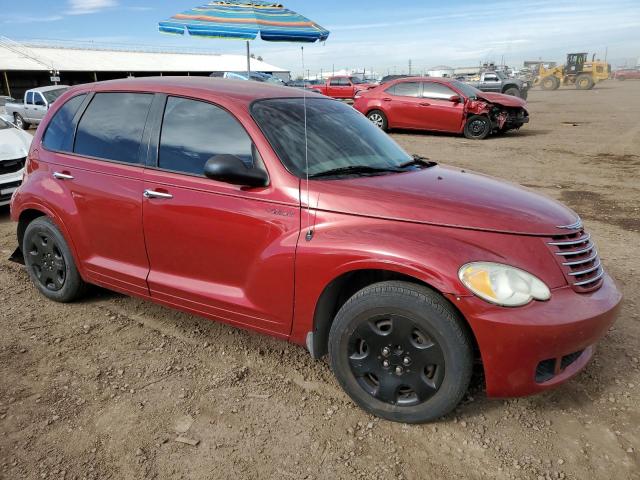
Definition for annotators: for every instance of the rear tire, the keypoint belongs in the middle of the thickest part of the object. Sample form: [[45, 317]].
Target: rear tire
[[20, 122], [477, 127], [550, 83], [50, 263], [584, 82], [379, 119], [401, 352]]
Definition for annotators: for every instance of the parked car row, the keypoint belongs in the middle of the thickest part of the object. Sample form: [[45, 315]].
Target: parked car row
[[285, 212]]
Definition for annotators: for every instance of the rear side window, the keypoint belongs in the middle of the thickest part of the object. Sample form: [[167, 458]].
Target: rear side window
[[112, 126], [59, 133], [405, 89], [194, 131]]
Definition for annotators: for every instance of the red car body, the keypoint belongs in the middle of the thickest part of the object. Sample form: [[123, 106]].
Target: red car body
[[239, 255], [341, 87], [627, 74], [445, 110]]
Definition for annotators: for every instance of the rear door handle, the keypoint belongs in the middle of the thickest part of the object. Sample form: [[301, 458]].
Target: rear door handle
[[154, 194], [386, 99], [425, 104], [62, 176]]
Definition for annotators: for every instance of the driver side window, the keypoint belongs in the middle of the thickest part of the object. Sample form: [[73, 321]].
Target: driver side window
[[194, 131]]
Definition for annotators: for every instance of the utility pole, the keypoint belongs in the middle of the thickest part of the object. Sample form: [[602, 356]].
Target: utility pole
[[409, 67]]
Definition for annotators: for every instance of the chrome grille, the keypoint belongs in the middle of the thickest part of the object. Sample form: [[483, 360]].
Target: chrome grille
[[579, 259]]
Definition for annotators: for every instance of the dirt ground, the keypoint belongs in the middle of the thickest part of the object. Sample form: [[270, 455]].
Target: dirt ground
[[102, 389]]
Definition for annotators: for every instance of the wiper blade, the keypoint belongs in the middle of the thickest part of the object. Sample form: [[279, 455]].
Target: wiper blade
[[354, 170], [418, 160]]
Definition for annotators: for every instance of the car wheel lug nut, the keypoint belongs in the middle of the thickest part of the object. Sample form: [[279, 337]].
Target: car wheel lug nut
[[398, 370], [386, 351], [385, 363], [406, 360]]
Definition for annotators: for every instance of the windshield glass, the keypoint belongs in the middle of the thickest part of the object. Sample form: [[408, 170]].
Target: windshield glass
[[338, 136], [468, 90], [52, 95], [4, 125]]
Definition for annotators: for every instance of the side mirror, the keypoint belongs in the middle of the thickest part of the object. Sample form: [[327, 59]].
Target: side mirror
[[230, 169], [455, 98]]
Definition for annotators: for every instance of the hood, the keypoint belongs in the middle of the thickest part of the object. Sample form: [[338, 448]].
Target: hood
[[502, 99], [14, 143], [445, 196]]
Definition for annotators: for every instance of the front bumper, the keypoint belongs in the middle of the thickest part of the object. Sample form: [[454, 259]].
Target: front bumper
[[530, 349], [9, 183]]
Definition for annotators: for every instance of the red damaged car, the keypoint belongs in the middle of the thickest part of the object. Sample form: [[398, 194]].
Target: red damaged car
[[441, 105], [213, 198]]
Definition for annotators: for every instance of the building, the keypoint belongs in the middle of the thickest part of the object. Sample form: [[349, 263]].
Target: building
[[440, 71], [24, 66]]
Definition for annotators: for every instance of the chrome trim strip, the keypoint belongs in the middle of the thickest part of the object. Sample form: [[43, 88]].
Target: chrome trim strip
[[577, 241], [588, 270], [573, 226], [567, 253], [579, 262], [591, 280]]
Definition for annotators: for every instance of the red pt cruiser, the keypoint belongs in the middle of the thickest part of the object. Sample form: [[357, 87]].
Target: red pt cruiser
[[208, 196]]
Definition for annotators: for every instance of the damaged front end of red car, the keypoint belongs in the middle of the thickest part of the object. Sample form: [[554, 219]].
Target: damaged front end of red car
[[503, 117]]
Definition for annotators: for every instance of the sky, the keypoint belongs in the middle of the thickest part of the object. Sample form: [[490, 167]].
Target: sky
[[383, 35]]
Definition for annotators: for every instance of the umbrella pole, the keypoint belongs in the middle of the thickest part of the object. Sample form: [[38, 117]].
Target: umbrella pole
[[248, 61]]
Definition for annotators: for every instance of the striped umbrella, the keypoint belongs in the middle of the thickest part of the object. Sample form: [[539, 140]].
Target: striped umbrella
[[245, 20]]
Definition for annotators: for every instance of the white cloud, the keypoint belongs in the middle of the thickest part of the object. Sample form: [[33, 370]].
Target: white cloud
[[83, 7], [31, 19]]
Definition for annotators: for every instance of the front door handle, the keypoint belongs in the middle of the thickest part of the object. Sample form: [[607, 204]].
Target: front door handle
[[386, 99], [425, 104], [154, 194], [62, 176]]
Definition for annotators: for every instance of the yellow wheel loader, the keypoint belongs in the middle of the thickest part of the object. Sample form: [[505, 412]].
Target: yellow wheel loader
[[578, 71]]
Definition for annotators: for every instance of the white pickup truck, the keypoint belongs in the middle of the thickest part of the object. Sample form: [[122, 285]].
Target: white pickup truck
[[35, 105]]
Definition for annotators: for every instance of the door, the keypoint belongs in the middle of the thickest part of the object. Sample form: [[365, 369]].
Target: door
[[216, 249], [491, 83], [403, 105], [340, 87], [440, 112], [39, 107], [29, 106], [99, 179]]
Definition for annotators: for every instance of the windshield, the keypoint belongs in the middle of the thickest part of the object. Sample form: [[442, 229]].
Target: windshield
[[338, 136], [52, 95], [356, 80], [4, 125], [468, 90]]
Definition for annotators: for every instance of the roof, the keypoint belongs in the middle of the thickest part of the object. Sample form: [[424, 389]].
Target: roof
[[49, 88], [38, 58], [238, 90]]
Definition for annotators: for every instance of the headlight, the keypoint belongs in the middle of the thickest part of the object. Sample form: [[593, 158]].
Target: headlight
[[502, 284]]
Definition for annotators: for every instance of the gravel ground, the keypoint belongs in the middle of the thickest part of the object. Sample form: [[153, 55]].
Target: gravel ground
[[115, 387]]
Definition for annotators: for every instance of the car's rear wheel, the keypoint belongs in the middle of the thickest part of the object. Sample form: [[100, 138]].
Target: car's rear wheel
[[50, 263], [379, 119], [477, 127], [401, 352], [20, 122]]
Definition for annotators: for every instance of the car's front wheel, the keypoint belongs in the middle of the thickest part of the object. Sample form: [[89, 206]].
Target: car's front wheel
[[379, 119], [477, 127], [401, 352], [49, 262]]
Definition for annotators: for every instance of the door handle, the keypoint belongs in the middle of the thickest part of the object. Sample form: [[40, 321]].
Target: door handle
[[425, 104], [154, 194], [386, 99], [62, 176]]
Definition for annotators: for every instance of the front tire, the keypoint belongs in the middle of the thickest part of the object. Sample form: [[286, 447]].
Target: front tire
[[477, 127], [513, 91], [550, 83], [50, 263], [20, 122], [379, 119], [401, 352]]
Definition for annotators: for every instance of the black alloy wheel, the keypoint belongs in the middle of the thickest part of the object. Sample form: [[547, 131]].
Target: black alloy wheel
[[46, 261], [395, 361], [478, 127]]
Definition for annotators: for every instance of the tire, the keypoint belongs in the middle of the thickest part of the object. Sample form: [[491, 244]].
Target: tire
[[422, 339], [20, 122], [584, 82], [550, 83], [379, 119], [50, 263], [513, 91], [477, 127]]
